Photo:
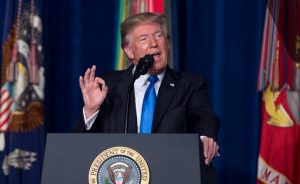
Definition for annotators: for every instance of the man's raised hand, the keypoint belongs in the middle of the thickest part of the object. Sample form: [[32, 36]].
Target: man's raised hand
[[93, 91]]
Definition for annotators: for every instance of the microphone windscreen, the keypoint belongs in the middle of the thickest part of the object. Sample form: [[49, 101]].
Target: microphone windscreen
[[148, 58]]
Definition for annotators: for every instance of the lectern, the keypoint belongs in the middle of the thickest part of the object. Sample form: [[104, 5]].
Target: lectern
[[73, 157]]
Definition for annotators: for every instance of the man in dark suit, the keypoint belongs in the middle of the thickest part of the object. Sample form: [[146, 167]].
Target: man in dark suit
[[181, 103]]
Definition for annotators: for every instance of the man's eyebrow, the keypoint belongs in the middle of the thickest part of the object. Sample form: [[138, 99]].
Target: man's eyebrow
[[158, 32], [146, 34], [141, 35]]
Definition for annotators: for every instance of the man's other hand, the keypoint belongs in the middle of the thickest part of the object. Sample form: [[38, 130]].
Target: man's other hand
[[210, 149]]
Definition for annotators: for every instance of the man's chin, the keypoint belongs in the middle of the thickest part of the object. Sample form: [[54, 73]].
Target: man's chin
[[155, 71]]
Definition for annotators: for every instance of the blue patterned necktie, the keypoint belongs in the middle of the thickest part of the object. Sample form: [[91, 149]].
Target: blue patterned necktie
[[148, 106]]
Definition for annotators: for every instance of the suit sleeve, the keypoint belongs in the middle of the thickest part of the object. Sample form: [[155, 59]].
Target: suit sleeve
[[80, 125], [201, 116]]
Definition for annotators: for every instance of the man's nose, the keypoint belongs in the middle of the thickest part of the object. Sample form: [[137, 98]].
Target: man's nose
[[153, 41]]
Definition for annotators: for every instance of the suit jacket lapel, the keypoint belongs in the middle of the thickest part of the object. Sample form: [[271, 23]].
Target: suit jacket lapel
[[165, 95], [122, 90]]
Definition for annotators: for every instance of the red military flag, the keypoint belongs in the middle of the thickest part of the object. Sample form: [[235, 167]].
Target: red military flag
[[279, 78]]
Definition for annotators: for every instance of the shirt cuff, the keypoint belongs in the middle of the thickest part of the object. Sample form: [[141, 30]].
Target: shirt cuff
[[90, 121]]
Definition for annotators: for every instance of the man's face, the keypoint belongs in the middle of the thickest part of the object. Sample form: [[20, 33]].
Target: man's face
[[148, 39]]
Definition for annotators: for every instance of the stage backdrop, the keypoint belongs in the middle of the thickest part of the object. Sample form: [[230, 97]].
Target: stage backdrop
[[220, 39]]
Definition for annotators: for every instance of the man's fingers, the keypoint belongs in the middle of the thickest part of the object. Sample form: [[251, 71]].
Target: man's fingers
[[205, 146], [213, 150], [104, 88], [93, 71], [87, 75], [208, 157], [81, 83], [100, 81], [210, 149]]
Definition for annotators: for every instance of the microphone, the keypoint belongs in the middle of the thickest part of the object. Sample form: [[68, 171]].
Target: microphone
[[141, 68]]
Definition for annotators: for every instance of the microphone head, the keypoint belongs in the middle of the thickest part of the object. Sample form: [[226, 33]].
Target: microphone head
[[149, 59], [143, 66]]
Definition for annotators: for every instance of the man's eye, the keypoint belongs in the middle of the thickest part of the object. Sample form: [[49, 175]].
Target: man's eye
[[158, 35], [142, 39]]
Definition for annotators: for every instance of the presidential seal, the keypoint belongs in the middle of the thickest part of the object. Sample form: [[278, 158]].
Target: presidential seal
[[119, 165]]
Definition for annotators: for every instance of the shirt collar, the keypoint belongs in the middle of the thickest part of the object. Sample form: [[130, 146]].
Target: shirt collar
[[139, 82]]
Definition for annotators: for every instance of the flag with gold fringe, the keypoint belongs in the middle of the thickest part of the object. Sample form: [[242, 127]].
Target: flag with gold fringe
[[128, 8], [22, 134], [279, 79]]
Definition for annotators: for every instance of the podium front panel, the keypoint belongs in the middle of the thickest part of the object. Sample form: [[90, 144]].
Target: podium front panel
[[172, 158]]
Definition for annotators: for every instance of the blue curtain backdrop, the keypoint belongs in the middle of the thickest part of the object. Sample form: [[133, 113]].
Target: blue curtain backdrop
[[220, 39], [77, 35]]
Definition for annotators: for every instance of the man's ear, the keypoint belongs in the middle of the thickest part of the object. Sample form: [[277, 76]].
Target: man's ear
[[168, 41], [129, 52]]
